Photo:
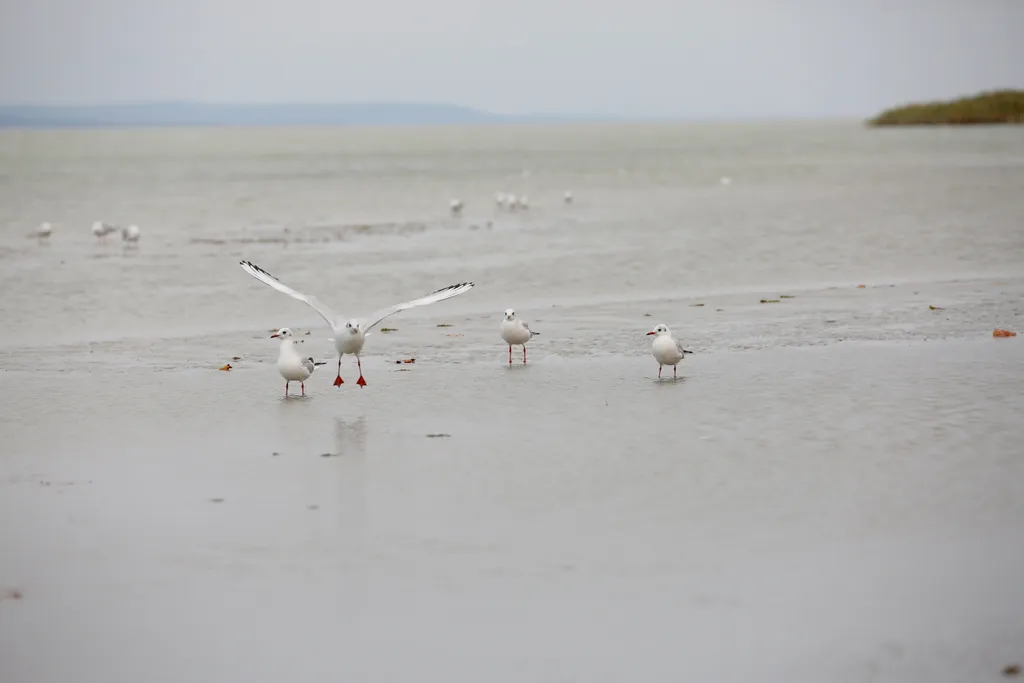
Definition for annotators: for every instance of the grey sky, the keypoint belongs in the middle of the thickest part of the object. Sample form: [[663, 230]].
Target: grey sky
[[647, 57]]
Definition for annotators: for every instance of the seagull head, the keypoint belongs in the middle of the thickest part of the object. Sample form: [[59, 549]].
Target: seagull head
[[352, 327], [283, 333], [658, 331], [510, 314]]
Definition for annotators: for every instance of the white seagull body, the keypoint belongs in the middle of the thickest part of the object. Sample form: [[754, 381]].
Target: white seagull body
[[131, 233], [456, 207], [350, 334], [292, 366], [665, 349], [101, 229], [44, 230], [515, 332]]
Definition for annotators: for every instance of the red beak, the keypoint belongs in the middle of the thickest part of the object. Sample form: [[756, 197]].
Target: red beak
[[649, 333], [274, 336]]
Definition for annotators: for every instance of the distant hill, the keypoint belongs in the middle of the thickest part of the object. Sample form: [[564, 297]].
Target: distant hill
[[203, 114], [997, 106]]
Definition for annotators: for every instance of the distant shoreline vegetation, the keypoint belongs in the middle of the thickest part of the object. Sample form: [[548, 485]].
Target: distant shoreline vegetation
[[991, 107]]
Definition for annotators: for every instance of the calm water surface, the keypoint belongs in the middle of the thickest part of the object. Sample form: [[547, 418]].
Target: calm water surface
[[830, 493]]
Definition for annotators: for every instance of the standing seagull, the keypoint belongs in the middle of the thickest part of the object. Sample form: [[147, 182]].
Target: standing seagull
[[666, 350], [515, 331], [44, 230], [101, 230], [351, 337], [292, 366], [131, 233]]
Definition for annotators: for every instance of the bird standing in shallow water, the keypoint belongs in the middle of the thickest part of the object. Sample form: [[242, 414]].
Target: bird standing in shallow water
[[350, 336], [292, 366], [515, 332], [665, 349]]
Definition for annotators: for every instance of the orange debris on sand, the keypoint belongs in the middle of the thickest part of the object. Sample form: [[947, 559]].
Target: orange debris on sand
[[1003, 333], [226, 367], [407, 360], [861, 286]]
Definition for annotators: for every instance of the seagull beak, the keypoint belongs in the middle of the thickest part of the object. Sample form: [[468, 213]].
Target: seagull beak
[[275, 335], [649, 334]]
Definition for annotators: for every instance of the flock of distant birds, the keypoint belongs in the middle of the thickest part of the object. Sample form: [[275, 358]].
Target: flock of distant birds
[[131, 233], [506, 202], [100, 230]]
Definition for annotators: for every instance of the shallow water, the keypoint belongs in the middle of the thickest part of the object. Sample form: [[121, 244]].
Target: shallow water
[[829, 492]]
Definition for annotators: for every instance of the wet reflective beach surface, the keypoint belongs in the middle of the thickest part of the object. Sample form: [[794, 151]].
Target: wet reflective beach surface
[[830, 492]]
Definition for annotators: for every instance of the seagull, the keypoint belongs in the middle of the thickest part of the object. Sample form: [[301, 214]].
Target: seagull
[[292, 366], [666, 350], [515, 331], [101, 230], [131, 233], [350, 335], [567, 197], [44, 230], [456, 207]]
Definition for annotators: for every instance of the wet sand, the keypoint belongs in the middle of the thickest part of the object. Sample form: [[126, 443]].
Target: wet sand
[[847, 512]]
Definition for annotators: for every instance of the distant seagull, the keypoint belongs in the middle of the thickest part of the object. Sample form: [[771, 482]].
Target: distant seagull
[[350, 334], [665, 349], [456, 207], [511, 201], [567, 198], [292, 366], [101, 230], [515, 332], [131, 233], [44, 231]]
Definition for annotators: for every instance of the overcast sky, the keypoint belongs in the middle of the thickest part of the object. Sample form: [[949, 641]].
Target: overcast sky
[[710, 58]]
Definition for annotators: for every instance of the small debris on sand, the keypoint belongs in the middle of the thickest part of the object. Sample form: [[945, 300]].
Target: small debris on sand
[[225, 368], [407, 360], [1011, 670], [236, 358], [438, 436], [445, 325], [11, 594], [786, 296], [216, 500], [696, 305], [389, 329], [861, 286], [328, 455], [935, 308], [1003, 333], [769, 301]]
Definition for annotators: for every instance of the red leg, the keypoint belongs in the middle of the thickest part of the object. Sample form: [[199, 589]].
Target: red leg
[[361, 382], [286, 388], [659, 372], [338, 380], [673, 372], [524, 354], [510, 354], [303, 385]]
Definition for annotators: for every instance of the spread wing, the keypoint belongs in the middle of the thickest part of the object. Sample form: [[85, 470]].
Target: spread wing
[[311, 301], [440, 295]]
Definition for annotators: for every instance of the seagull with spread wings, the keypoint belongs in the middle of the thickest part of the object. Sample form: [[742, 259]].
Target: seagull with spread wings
[[350, 334]]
